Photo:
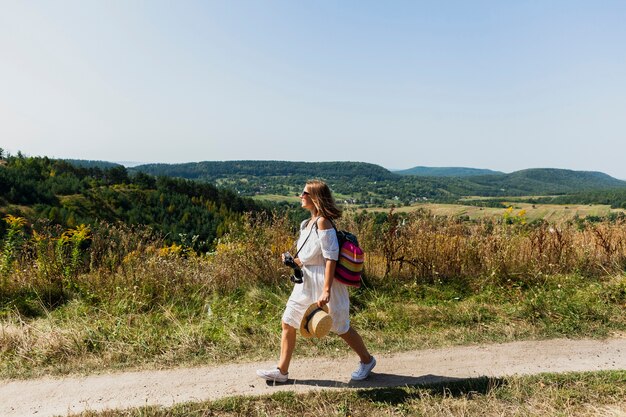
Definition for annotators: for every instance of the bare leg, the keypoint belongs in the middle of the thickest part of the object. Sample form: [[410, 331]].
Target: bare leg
[[354, 340], [287, 345]]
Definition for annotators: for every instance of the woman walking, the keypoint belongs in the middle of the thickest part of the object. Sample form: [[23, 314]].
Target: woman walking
[[317, 257]]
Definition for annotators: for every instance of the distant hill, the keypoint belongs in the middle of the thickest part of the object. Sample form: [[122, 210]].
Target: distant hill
[[548, 181], [372, 184], [84, 163], [211, 170], [282, 177], [357, 182], [445, 171]]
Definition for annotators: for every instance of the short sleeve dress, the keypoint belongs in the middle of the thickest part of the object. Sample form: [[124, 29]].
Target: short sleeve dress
[[321, 245]]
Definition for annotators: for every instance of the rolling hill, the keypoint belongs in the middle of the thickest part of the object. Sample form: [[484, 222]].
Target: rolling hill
[[358, 179], [358, 183], [549, 181], [445, 171], [212, 170]]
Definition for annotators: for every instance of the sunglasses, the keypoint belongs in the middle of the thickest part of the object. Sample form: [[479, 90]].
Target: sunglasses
[[303, 193]]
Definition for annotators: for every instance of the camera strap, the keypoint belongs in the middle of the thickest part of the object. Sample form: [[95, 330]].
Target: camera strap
[[307, 238]]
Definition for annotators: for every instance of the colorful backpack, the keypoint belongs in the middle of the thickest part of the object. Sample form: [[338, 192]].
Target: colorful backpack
[[351, 257]]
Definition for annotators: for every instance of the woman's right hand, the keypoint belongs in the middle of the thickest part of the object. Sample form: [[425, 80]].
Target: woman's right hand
[[296, 260], [324, 299]]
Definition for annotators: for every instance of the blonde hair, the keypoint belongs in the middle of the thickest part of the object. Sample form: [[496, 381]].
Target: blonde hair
[[323, 199]]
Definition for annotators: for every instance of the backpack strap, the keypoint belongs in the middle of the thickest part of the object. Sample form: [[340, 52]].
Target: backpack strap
[[317, 228], [331, 222], [329, 219]]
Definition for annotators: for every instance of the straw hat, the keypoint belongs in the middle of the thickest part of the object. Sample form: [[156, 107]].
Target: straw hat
[[316, 322]]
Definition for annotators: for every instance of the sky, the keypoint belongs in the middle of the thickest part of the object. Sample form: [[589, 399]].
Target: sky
[[502, 85]]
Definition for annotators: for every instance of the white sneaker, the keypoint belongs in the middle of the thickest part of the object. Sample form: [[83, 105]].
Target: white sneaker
[[364, 370], [272, 375]]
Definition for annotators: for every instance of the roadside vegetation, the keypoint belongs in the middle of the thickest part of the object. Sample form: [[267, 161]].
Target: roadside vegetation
[[565, 395], [111, 296]]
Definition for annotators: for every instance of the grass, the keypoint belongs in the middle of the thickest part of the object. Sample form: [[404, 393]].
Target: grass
[[243, 325], [564, 395]]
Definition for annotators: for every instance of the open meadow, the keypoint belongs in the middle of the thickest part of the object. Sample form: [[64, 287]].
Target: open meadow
[[532, 212]]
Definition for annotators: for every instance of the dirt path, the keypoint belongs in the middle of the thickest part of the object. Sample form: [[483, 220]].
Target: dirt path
[[60, 396]]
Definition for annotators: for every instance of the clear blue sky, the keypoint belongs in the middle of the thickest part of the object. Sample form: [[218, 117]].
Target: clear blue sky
[[504, 85]]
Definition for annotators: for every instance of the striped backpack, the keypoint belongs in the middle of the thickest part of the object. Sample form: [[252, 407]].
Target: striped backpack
[[351, 257]]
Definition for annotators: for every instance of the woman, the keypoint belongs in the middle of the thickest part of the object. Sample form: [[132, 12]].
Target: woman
[[318, 254]]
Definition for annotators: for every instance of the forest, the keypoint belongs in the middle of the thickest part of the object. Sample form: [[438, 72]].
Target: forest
[[68, 194]]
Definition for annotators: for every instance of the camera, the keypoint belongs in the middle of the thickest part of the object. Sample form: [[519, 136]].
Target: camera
[[296, 278]]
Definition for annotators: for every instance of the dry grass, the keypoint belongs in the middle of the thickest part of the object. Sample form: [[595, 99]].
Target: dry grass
[[421, 246], [417, 246]]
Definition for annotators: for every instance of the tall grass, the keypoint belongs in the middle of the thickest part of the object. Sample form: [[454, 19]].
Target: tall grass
[[425, 248], [53, 265]]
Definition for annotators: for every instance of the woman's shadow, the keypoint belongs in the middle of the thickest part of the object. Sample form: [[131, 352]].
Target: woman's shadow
[[389, 388]]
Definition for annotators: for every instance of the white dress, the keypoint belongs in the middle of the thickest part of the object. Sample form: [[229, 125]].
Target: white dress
[[321, 245]]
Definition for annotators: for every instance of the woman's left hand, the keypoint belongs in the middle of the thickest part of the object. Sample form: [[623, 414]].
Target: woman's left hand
[[324, 299]]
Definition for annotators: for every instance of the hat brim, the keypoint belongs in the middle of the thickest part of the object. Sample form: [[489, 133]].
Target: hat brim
[[323, 325]]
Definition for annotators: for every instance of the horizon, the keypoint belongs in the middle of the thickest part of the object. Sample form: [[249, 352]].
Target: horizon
[[132, 164], [489, 85]]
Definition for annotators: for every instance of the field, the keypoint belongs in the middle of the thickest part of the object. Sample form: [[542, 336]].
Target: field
[[548, 212], [277, 198]]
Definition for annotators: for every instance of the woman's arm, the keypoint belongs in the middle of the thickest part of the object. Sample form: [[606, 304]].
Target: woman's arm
[[329, 276], [329, 270]]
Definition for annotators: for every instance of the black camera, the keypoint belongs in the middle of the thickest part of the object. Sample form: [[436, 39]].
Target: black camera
[[296, 278]]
